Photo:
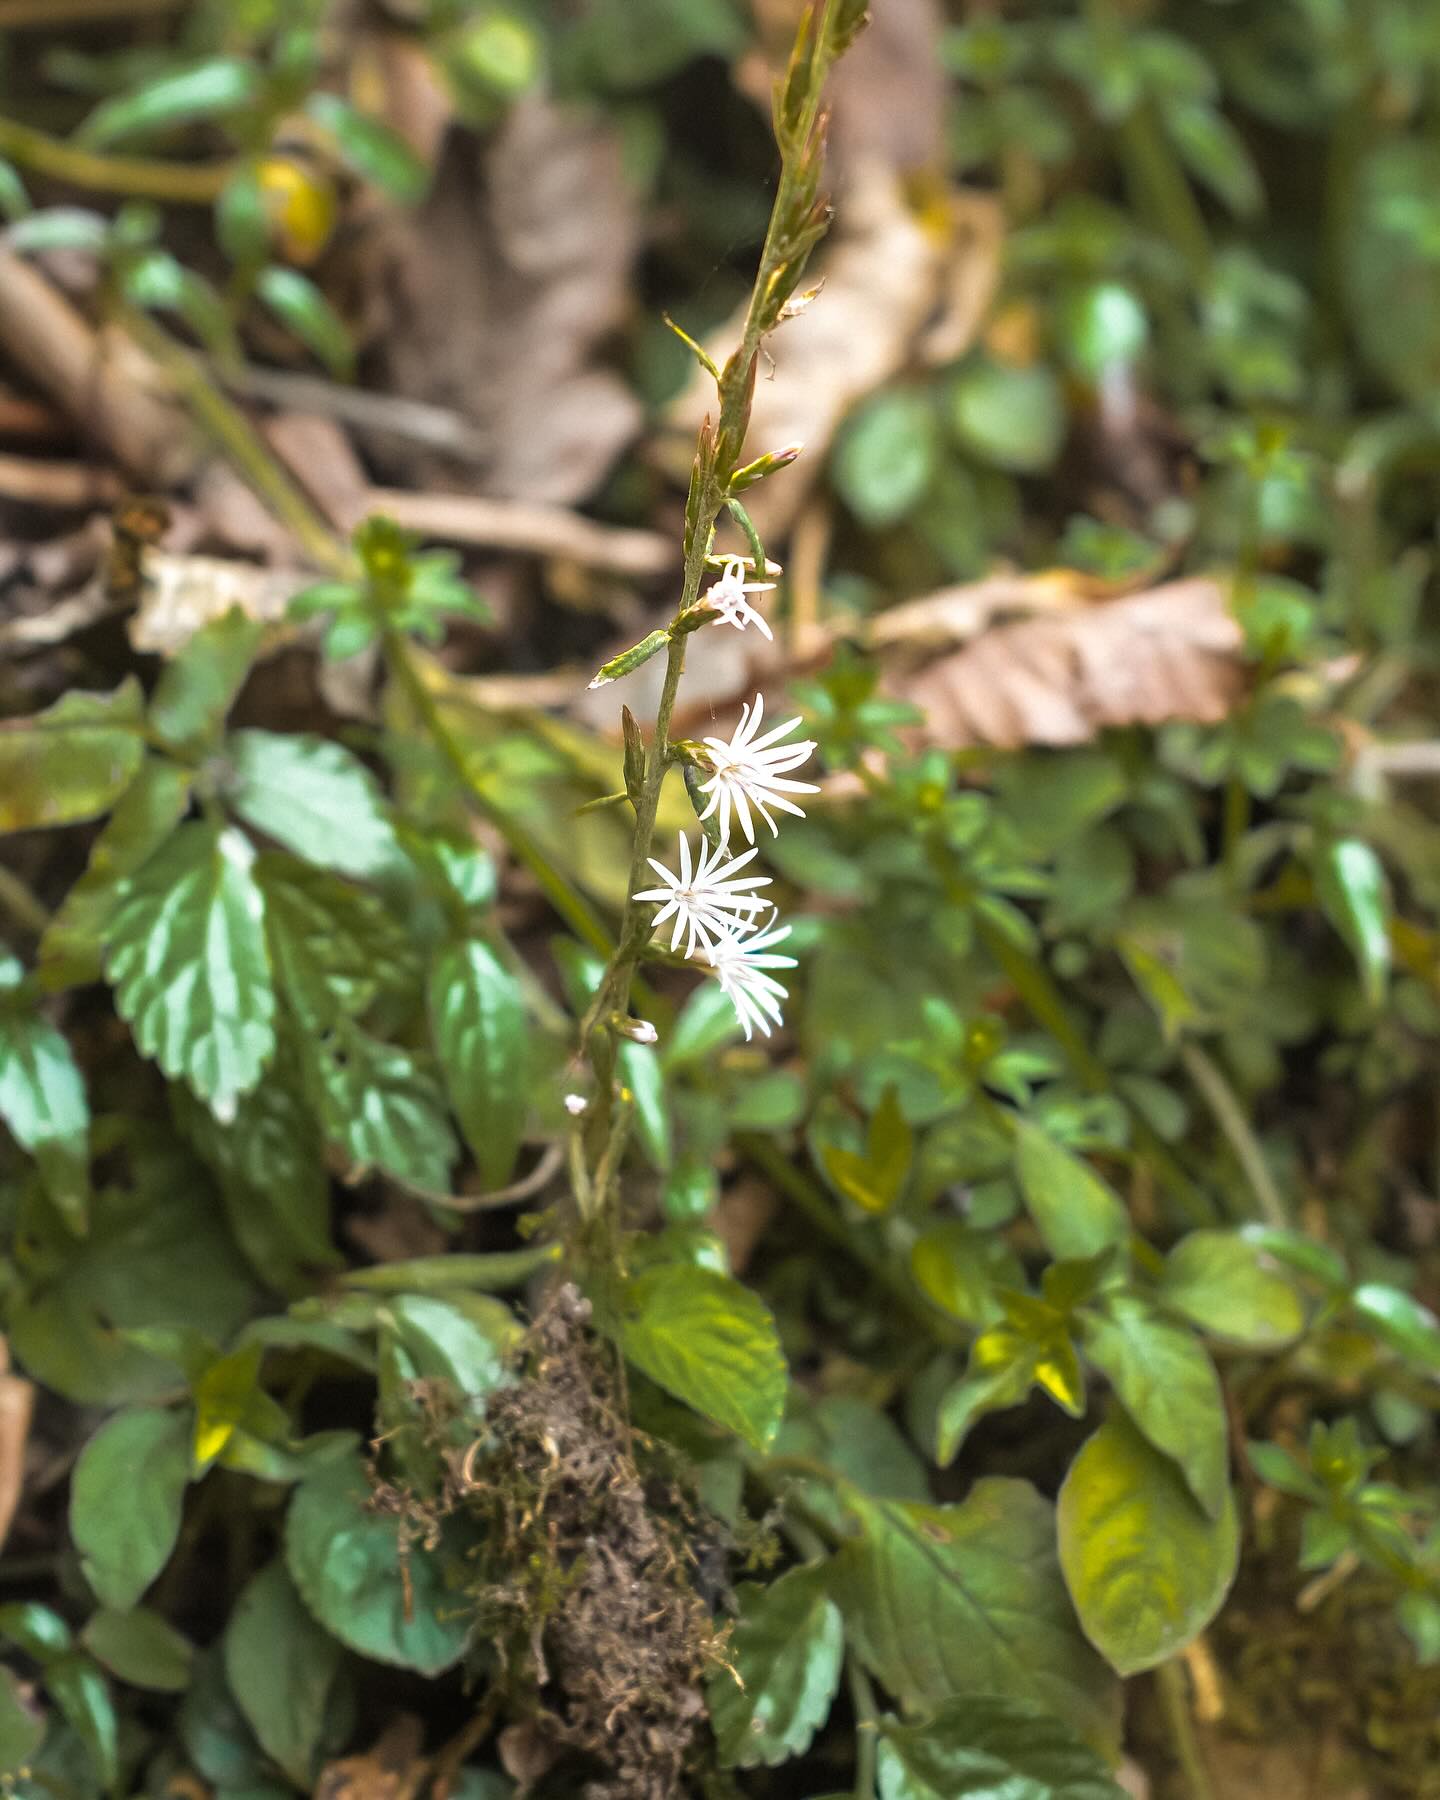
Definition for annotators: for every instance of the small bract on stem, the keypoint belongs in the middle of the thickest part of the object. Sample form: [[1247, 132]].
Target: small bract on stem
[[720, 917]]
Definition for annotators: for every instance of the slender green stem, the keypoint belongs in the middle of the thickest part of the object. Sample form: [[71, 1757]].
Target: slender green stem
[[571, 906], [194, 184], [21, 904], [867, 1728], [1170, 1679], [1219, 1096]]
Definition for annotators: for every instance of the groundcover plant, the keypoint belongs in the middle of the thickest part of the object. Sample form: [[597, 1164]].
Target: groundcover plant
[[775, 1134]]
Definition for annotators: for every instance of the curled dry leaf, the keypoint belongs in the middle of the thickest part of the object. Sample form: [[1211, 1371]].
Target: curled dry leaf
[[393, 1768], [1172, 652], [182, 593]]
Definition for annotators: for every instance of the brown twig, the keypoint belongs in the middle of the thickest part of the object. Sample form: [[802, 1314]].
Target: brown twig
[[42, 481], [529, 528]]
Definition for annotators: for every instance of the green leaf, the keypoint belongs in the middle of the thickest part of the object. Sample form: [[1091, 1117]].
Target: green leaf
[[371, 148], [946, 1600], [886, 455], [463, 1339], [875, 1180], [1351, 887], [629, 660], [1215, 154], [224, 84], [145, 815], [43, 1101], [315, 798], [1167, 1383], [783, 1669], [345, 1560], [214, 1733], [125, 1501], [1145, 1567], [711, 1343], [1230, 1288], [185, 952], [281, 1668], [21, 1730], [384, 1107], [140, 1648], [1010, 417], [477, 1018], [83, 1695], [303, 310], [1074, 1211], [37, 1630], [72, 761], [644, 1076], [198, 686], [335, 947], [1401, 1322], [988, 1747]]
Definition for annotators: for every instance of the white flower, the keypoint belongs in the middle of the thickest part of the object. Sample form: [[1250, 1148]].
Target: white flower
[[749, 770], [575, 1104], [710, 902], [740, 963], [727, 596], [641, 1031]]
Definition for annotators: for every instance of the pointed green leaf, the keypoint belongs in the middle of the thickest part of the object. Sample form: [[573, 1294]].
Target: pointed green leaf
[[72, 761], [141, 1648], [710, 1342], [211, 89], [315, 798], [1231, 1288], [644, 1076], [1167, 1383], [988, 1747], [384, 1106], [1075, 1213], [198, 686], [125, 1500], [370, 147], [941, 1600], [1351, 887], [303, 309], [477, 1018], [335, 947], [43, 1101], [1399, 1320], [783, 1669], [1146, 1568], [186, 954], [281, 1667], [345, 1560], [83, 1695]]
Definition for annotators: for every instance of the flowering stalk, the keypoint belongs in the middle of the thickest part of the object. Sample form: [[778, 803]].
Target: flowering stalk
[[798, 220]]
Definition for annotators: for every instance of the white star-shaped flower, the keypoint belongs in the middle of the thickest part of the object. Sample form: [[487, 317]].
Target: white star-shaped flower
[[727, 596], [740, 962], [750, 771], [709, 901]]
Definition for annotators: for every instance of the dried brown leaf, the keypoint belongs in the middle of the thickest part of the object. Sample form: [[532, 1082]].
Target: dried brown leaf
[[1172, 652], [392, 1769]]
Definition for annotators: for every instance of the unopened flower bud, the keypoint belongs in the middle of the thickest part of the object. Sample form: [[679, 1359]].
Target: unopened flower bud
[[769, 464], [575, 1104]]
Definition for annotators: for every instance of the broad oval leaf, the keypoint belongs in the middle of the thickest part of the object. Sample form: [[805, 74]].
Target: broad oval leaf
[[1232, 1289], [988, 1746], [186, 954], [313, 797], [710, 1342], [477, 1015], [1075, 1213], [72, 761], [1167, 1383], [281, 1666], [947, 1600], [1146, 1568], [784, 1667], [125, 1500], [140, 1648], [345, 1560]]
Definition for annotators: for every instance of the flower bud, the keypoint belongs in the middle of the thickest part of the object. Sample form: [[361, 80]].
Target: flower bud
[[769, 464]]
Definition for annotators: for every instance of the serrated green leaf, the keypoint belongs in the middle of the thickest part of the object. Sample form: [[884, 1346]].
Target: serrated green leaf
[[335, 947], [281, 1667], [784, 1667], [125, 1501], [303, 310], [710, 1342], [140, 1648], [345, 1560], [43, 1101], [185, 951], [1231, 1288], [988, 1747], [1351, 887], [1074, 1211], [315, 798], [477, 1020], [1167, 1383], [198, 685], [21, 1729], [384, 1106], [941, 1600], [72, 761], [1399, 1320], [224, 84], [1146, 1568], [371, 148], [145, 815]]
